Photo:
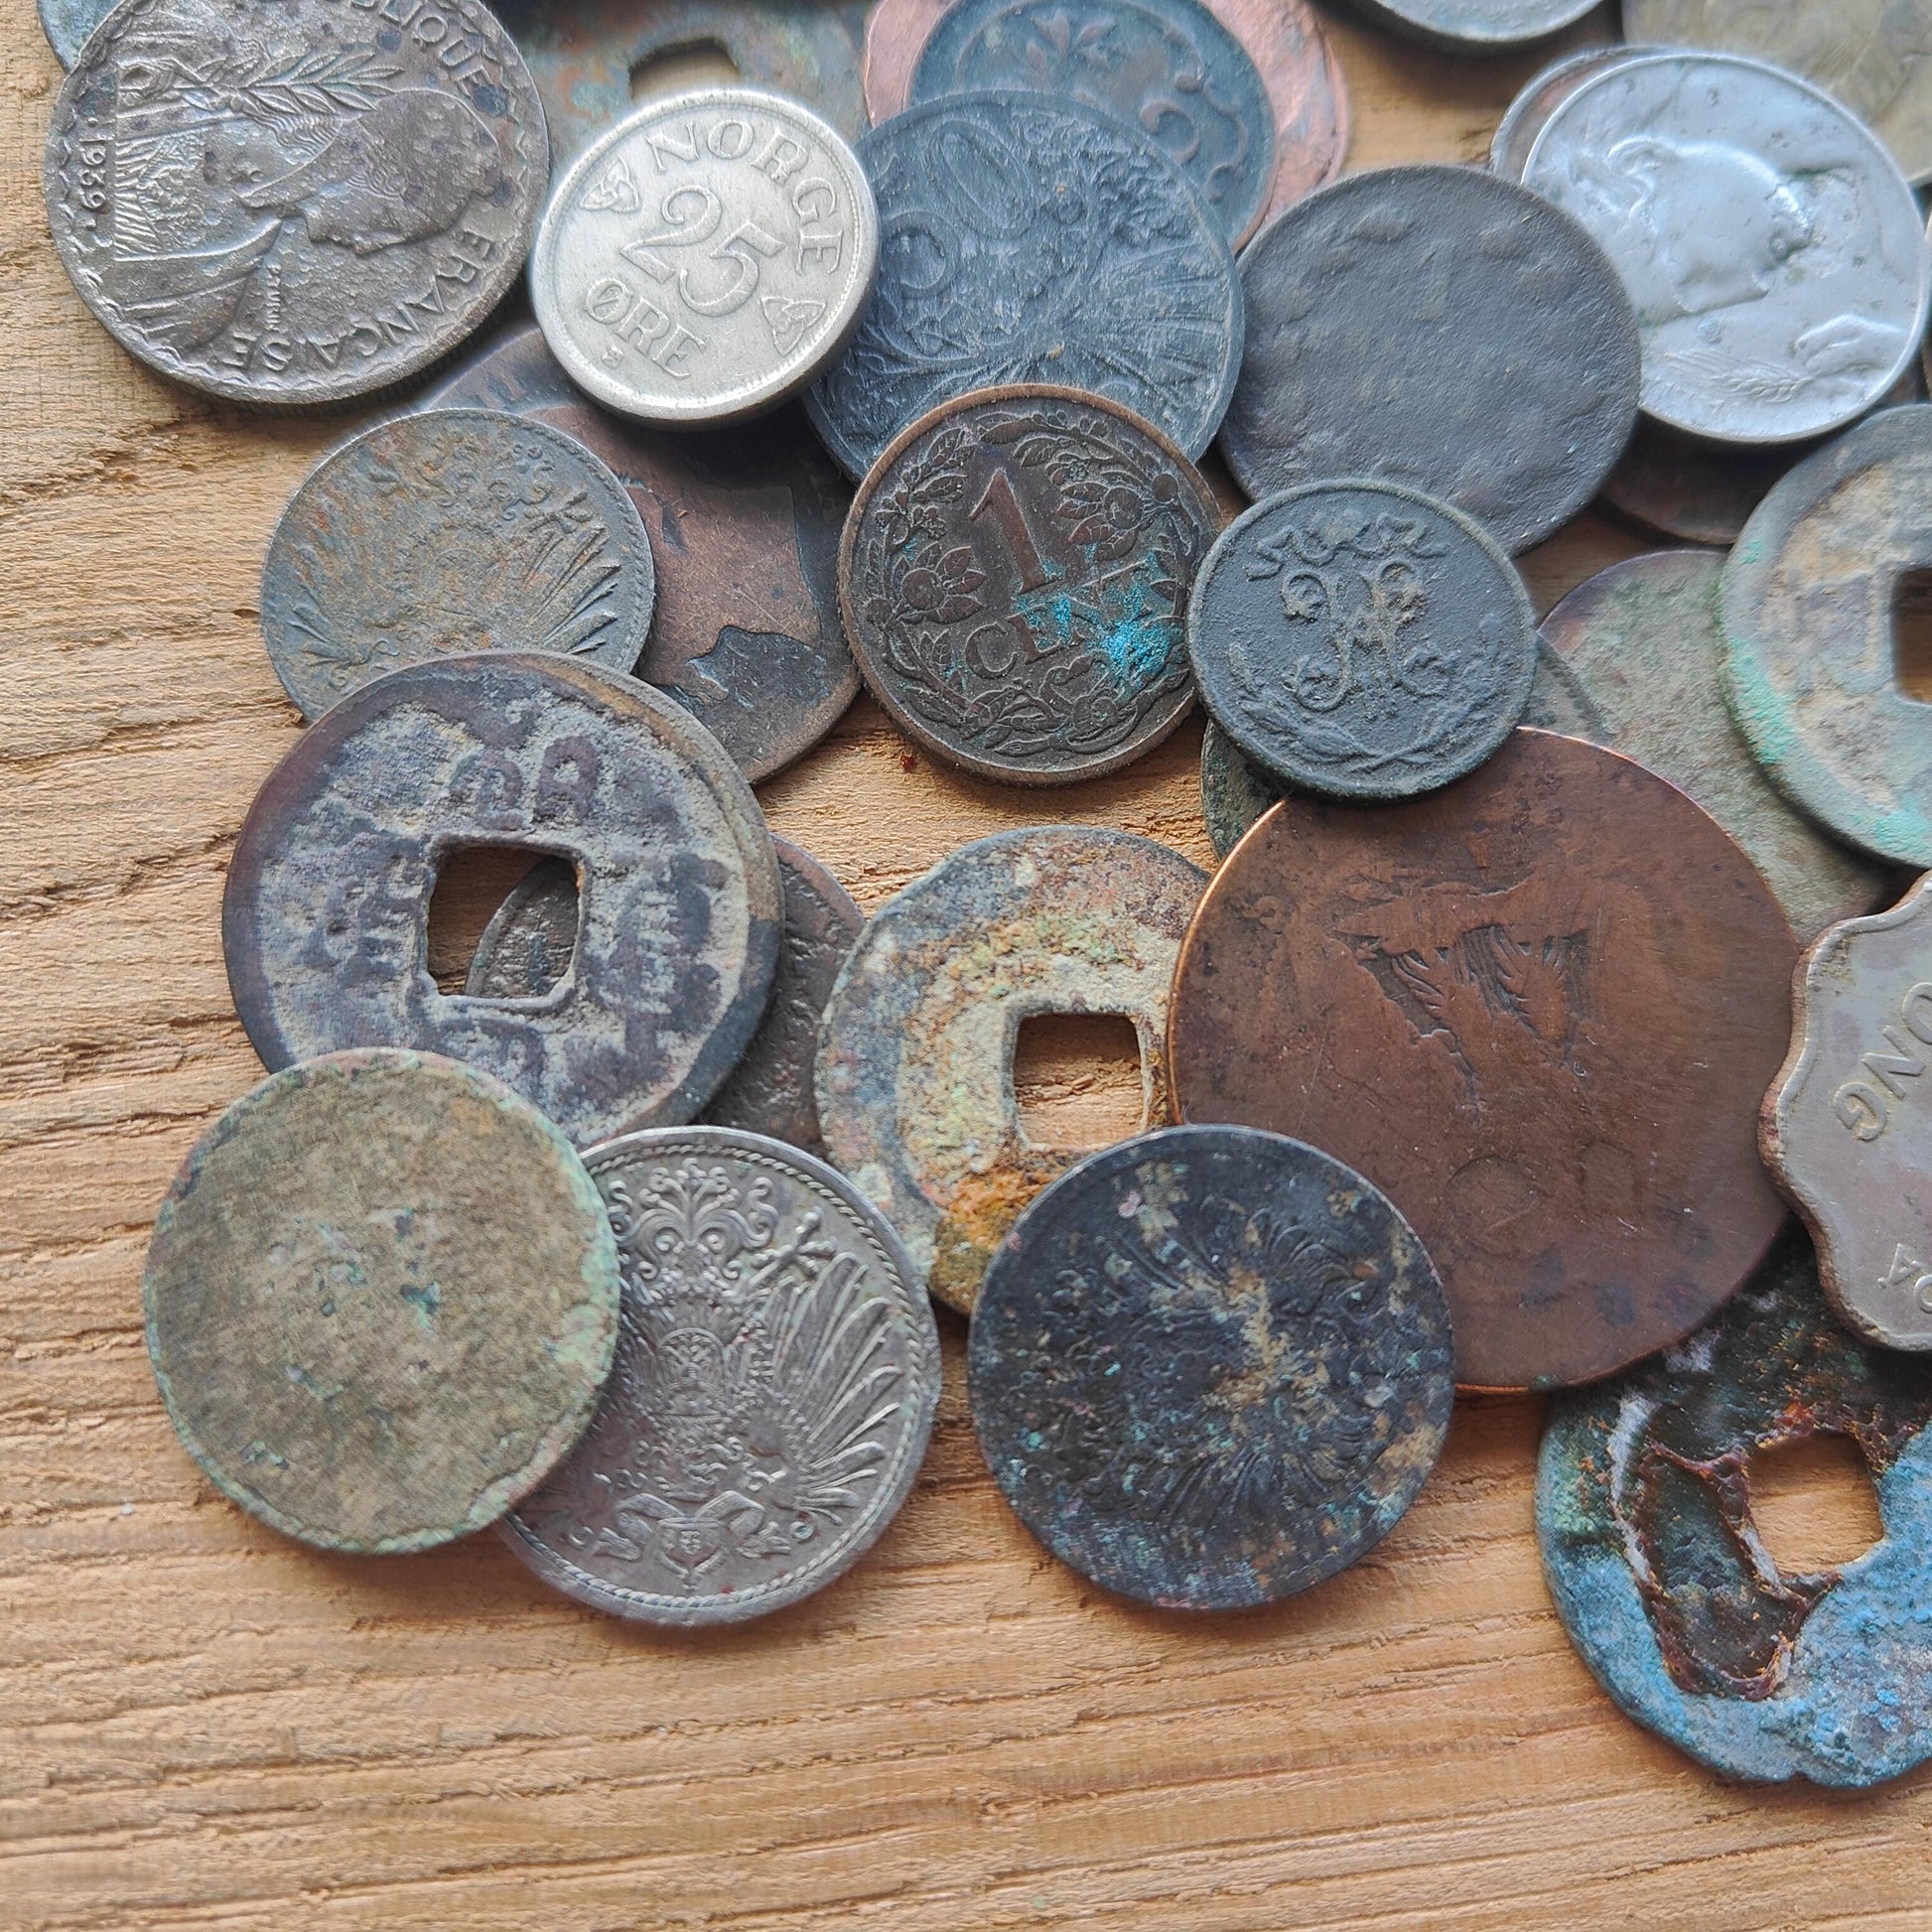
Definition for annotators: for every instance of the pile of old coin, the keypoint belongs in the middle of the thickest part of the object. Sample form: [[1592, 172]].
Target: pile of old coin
[[1453, 1070]]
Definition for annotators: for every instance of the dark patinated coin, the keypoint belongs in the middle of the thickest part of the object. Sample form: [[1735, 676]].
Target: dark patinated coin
[[1361, 639], [775, 1387], [382, 1300], [745, 528], [1539, 1009], [453, 530], [1014, 578], [1476, 26], [1234, 790], [1643, 1510], [324, 921], [68, 22], [1425, 272], [527, 949], [1029, 240], [1210, 1367]]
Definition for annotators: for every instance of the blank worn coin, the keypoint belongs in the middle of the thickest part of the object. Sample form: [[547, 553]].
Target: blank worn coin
[[382, 1300]]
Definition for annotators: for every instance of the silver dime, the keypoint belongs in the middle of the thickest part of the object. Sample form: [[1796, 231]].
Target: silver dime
[[707, 257], [1774, 252], [776, 1375], [297, 204], [1475, 25], [453, 530]]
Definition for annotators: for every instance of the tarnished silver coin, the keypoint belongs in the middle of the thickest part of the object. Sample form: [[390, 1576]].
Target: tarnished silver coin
[[1474, 26], [707, 257], [452, 530], [68, 22], [776, 1374], [1542, 94], [1774, 252], [295, 203]]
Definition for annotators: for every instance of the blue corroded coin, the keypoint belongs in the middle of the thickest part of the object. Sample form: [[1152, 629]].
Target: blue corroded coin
[[1210, 1367], [1643, 1509]]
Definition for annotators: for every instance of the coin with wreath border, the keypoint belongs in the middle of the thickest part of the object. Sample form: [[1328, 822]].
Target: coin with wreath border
[[1014, 578]]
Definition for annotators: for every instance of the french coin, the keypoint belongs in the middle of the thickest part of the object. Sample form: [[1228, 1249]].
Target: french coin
[[1234, 790], [1031, 239], [1875, 56], [1361, 639], [1633, 658], [1474, 26], [382, 1300], [1015, 577], [777, 1376], [1539, 1010], [1423, 270], [1845, 1130], [300, 204], [527, 949], [1210, 1367], [452, 530], [1774, 252], [745, 529], [1525, 117], [326, 914], [706, 257], [1643, 1511], [68, 22], [1820, 679], [916, 1051]]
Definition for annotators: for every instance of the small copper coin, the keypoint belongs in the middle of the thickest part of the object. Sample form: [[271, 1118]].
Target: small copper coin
[[1538, 1009], [1014, 578], [382, 1300]]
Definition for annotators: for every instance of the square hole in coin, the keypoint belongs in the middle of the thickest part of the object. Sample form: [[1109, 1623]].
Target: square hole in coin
[[1077, 1079], [1813, 1503], [1911, 635], [690, 64], [471, 887]]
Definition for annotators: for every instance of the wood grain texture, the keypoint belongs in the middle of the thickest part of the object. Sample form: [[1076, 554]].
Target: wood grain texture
[[201, 1724]]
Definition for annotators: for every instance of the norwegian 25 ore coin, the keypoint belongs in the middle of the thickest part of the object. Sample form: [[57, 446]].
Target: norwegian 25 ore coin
[[1210, 1367], [527, 949], [325, 916], [704, 258], [744, 524], [1775, 254], [453, 530], [1538, 1009], [1361, 639], [1474, 26], [1424, 270], [294, 204], [1032, 239], [776, 1375], [1015, 577], [382, 1300], [1643, 1510]]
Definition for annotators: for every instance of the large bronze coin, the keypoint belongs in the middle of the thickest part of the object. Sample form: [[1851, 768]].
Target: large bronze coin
[[1014, 578], [1538, 1009]]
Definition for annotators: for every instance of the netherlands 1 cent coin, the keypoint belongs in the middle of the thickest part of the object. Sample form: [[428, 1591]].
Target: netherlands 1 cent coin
[[776, 1381], [300, 204], [325, 916], [1424, 270], [915, 1053], [743, 527], [382, 1300], [1539, 1010], [527, 949], [1361, 639], [1633, 658], [1234, 790], [452, 530], [1845, 1128], [1644, 1498], [1034, 240], [1476, 26], [1210, 1367], [706, 257], [1014, 578], [1773, 251]]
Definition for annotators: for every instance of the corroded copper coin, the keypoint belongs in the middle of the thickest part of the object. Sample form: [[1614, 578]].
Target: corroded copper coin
[[1210, 1367], [1538, 1009], [382, 1300], [527, 949], [916, 1056], [324, 921], [1014, 578], [744, 525], [1234, 790]]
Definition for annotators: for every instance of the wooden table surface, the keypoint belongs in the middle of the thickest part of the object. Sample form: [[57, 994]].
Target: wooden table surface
[[204, 1724]]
